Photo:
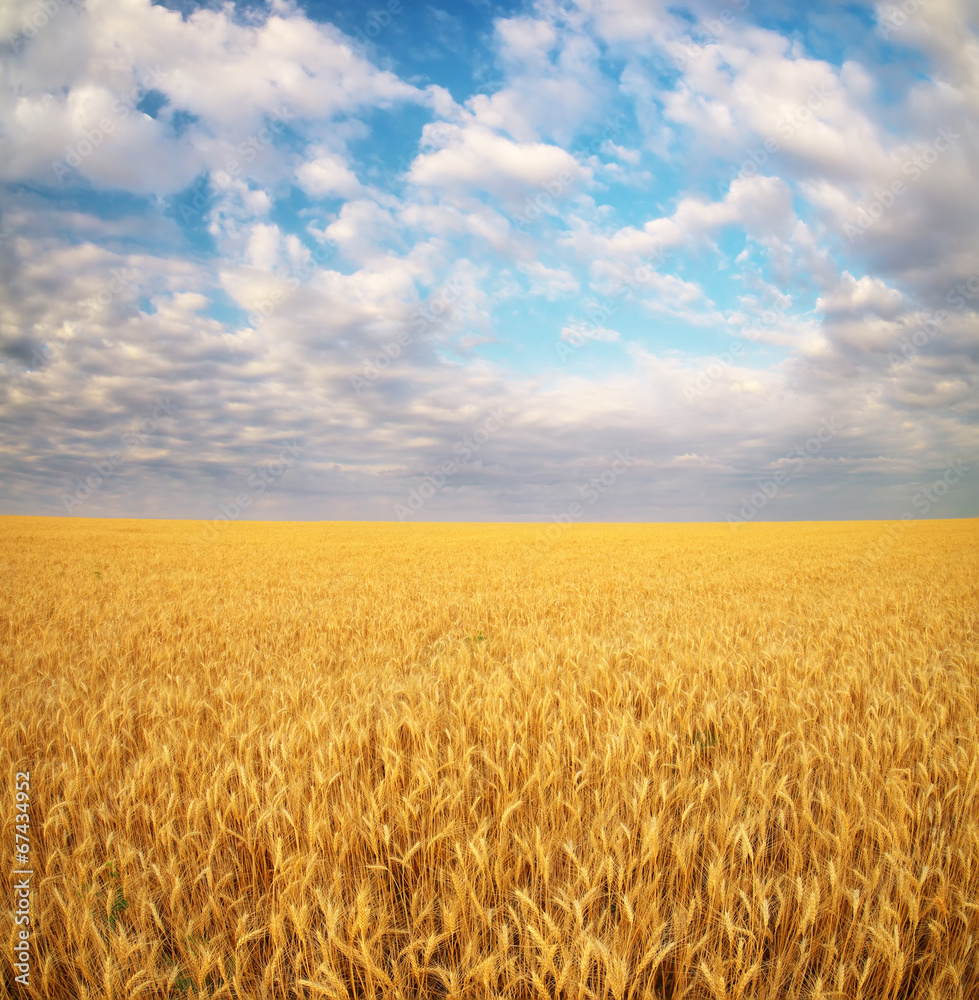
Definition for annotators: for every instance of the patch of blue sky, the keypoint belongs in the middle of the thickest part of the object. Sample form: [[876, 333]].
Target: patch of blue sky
[[422, 42], [183, 7], [75, 193], [662, 329], [181, 120], [834, 33], [190, 209], [384, 153], [224, 309], [532, 334], [152, 102], [295, 213], [616, 127], [292, 209]]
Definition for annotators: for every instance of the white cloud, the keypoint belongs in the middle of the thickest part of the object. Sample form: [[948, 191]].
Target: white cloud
[[630, 156], [762, 206], [476, 159], [362, 228], [685, 300], [327, 175], [76, 83], [553, 85], [633, 22], [551, 282], [868, 295]]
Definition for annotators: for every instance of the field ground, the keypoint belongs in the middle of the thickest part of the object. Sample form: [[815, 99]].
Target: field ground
[[384, 760]]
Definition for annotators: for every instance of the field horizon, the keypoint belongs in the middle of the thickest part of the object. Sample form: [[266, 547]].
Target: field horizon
[[507, 523]]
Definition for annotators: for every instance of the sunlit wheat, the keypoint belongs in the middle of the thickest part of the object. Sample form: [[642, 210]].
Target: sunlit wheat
[[379, 760]]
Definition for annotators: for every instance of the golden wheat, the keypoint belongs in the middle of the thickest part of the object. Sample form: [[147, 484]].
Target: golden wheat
[[379, 760]]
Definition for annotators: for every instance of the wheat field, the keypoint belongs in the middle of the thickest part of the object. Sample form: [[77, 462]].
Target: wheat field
[[461, 760]]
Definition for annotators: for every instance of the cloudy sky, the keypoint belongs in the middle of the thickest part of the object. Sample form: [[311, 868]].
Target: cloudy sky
[[596, 260]]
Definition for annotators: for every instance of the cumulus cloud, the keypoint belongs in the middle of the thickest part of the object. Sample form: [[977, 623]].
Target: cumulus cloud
[[762, 206], [74, 93], [283, 242], [857, 298], [551, 282], [327, 174], [474, 159]]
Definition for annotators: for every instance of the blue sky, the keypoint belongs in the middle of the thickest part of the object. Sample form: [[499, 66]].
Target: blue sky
[[453, 262]]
